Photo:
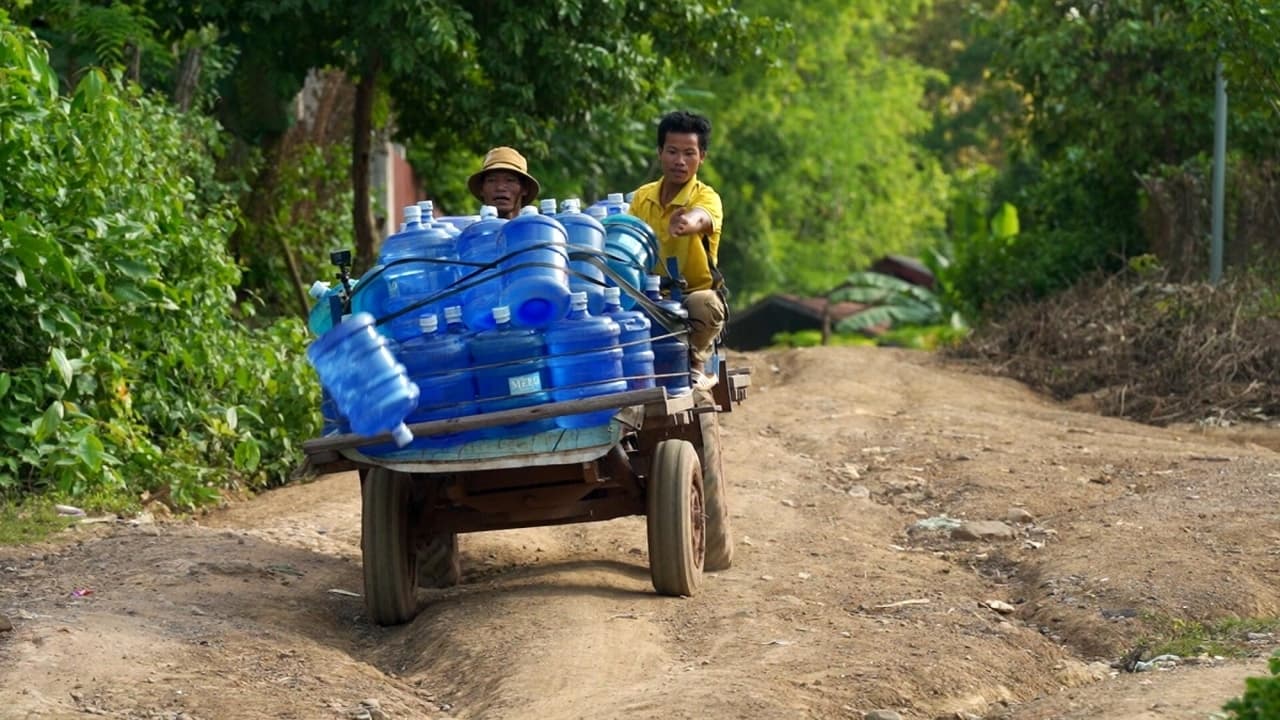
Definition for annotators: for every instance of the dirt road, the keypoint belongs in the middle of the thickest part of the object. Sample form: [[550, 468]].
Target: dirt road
[[842, 601]]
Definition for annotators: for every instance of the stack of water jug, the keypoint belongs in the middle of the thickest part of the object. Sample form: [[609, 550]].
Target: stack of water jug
[[476, 314]]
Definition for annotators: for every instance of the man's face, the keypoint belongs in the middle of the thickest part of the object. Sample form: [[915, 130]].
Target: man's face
[[503, 190], [680, 157]]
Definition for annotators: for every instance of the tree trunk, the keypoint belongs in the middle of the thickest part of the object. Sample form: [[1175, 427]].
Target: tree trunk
[[295, 274], [361, 142], [826, 322], [184, 90]]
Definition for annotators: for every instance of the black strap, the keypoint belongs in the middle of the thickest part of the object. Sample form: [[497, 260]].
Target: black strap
[[717, 284], [717, 277]]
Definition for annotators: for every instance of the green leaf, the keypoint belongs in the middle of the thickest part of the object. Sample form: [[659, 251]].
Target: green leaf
[[5, 382], [248, 455], [1005, 224], [134, 269], [48, 422], [91, 452], [129, 293], [232, 419], [59, 360]]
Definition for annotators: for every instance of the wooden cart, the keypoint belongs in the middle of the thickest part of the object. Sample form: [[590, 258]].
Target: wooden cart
[[659, 457]]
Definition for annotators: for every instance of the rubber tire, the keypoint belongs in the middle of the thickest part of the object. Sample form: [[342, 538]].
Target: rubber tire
[[715, 491], [389, 557], [438, 561], [676, 519]]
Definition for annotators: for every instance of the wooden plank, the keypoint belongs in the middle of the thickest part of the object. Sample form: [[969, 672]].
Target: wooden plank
[[553, 447], [645, 397]]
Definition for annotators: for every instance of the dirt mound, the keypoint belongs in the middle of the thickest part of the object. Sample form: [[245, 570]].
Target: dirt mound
[[1149, 351]]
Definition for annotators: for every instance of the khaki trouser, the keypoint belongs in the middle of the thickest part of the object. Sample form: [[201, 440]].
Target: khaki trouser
[[706, 320]]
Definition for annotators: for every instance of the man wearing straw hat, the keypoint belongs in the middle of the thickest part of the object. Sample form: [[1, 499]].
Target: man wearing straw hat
[[504, 182]]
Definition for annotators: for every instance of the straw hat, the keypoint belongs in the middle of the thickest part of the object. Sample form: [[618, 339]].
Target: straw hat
[[503, 158]]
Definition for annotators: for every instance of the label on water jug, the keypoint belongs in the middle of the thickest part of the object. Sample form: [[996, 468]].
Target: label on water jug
[[525, 384]]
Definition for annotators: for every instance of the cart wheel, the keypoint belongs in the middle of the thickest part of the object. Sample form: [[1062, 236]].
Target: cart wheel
[[389, 557], [675, 518], [438, 564], [715, 491]]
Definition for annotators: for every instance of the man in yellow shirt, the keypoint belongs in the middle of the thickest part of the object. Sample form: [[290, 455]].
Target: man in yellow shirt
[[687, 215]]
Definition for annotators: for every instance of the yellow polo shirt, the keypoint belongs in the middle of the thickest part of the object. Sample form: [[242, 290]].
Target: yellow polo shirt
[[687, 250]]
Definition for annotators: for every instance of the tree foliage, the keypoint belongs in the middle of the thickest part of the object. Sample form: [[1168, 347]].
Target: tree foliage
[[123, 369], [818, 158], [1110, 91]]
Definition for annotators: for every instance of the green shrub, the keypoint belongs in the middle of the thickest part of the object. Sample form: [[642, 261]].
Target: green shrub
[[1261, 699], [125, 368]]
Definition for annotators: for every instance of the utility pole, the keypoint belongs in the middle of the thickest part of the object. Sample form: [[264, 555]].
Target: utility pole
[[1219, 172]]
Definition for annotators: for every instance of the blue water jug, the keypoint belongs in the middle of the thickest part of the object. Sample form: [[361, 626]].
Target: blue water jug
[[459, 222], [414, 265], [585, 361], [670, 350], [633, 337], [613, 204], [480, 245], [510, 372], [370, 388], [333, 421], [327, 311], [585, 235], [453, 321], [535, 279], [440, 365], [631, 248]]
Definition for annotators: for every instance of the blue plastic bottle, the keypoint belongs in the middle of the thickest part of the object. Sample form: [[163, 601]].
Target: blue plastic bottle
[[369, 387], [613, 203], [459, 222], [510, 372], [414, 265], [453, 321], [333, 421], [327, 311], [427, 209], [585, 361], [481, 244], [631, 248], [634, 333], [670, 351], [535, 278], [439, 364], [585, 235]]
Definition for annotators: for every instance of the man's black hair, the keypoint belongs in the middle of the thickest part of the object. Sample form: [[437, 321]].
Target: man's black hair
[[682, 121]]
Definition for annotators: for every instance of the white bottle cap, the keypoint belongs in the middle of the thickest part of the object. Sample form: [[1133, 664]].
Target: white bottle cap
[[615, 197], [628, 197], [502, 314], [653, 282], [529, 210], [488, 211], [547, 206], [612, 295], [577, 301], [318, 289], [453, 314], [597, 211], [427, 207], [429, 324], [571, 205], [412, 214]]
